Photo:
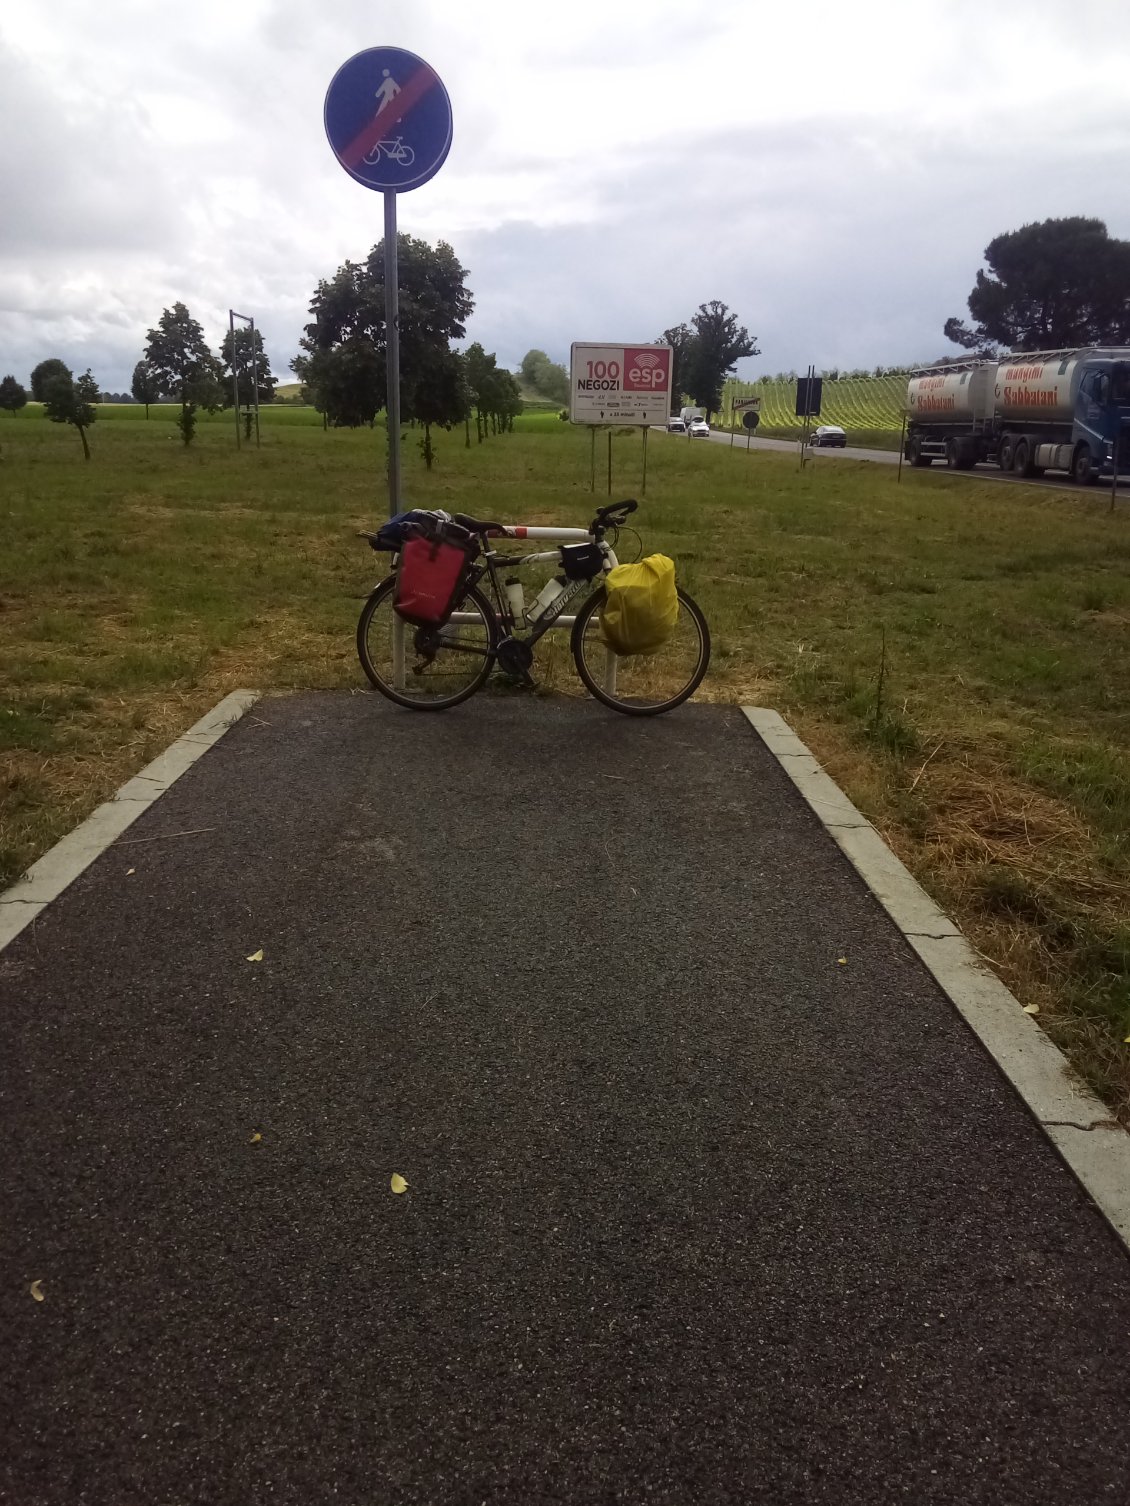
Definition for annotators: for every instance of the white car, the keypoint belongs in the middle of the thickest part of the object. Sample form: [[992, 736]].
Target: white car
[[699, 428], [829, 434]]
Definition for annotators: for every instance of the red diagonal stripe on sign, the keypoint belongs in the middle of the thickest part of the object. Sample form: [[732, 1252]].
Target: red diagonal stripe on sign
[[389, 118]]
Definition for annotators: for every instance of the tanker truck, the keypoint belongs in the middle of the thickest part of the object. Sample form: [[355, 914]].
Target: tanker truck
[[1061, 410]]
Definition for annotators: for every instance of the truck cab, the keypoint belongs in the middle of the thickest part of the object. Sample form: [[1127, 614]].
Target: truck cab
[[1101, 429]]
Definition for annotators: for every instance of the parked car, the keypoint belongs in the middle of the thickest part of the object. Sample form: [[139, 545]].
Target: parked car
[[829, 434], [676, 426], [699, 429]]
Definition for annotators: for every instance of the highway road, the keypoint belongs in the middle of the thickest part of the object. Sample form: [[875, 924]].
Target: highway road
[[890, 457]]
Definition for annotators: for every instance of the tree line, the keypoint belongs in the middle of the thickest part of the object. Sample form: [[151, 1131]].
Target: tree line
[[177, 366], [1057, 284], [344, 348]]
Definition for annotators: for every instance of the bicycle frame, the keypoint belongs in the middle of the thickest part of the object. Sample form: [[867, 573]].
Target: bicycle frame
[[554, 615]]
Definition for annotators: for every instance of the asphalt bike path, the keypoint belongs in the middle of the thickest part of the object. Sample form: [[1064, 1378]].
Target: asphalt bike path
[[712, 1196]]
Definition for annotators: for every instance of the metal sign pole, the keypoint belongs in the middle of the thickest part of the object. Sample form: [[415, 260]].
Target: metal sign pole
[[255, 382], [234, 376], [902, 446], [610, 462], [392, 349], [643, 482]]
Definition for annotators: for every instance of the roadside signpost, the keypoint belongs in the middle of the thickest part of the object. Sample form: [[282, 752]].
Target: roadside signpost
[[750, 410], [388, 120], [809, 390], [619, 384]]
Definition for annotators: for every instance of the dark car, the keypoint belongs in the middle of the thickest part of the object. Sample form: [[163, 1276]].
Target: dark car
[[828, 434]]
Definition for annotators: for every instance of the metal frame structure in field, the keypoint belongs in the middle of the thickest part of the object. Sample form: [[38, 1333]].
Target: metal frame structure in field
[[248, 320]]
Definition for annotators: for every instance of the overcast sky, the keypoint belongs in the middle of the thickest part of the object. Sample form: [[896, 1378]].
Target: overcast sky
[[833, 171]]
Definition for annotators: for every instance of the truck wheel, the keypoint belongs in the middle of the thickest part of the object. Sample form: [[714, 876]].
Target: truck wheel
[[1004, 455], [1082, 470], [914, 453], [1022, 458], [952, 459]]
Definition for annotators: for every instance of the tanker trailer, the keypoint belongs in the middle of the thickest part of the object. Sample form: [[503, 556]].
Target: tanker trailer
[[1065, 410], [950, 415]]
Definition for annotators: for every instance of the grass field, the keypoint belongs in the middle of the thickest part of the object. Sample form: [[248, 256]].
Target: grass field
[[957, 652]]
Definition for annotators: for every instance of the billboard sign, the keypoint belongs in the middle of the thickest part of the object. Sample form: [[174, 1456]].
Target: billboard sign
[[619, 384], [747, 405]]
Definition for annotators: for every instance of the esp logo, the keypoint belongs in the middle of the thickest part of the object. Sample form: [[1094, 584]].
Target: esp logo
[[646, 370]]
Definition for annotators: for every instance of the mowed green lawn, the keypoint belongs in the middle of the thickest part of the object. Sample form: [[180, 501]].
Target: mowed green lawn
[[957, 651]]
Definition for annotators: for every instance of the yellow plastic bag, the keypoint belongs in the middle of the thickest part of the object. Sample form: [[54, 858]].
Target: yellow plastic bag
[[642, 606]]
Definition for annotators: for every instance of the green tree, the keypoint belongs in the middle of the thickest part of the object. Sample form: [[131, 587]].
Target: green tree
[[680, 338], [547, 378], [183, 366], [12, 395], [144, 385], [481, 370], [43, 374], [345, 384], [66, 401], [495, 392], [440, 395], [719, 342], [1050, 286], [246, 363], [348, 321]]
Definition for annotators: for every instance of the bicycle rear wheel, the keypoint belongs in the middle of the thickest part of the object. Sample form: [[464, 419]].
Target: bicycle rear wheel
[[642, 684], [426, 669]]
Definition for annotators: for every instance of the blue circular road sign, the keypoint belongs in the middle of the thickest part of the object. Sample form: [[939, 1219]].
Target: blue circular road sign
[[388, 119]]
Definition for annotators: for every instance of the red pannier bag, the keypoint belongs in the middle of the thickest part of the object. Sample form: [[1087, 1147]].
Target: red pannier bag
[[430, 580]]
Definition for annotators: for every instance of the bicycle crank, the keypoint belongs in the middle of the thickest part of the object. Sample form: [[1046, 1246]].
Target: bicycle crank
[[514, 657]]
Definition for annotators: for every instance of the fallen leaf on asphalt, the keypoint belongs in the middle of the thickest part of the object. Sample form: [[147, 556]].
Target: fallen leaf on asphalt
[[37, 1290], [842, 961], [1031, 1009], [256, 1137], [397, 1183], [256, 956], [129, 871]]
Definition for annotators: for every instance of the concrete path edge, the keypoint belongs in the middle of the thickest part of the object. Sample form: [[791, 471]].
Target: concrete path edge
[[47, 878], [1087, 1136]]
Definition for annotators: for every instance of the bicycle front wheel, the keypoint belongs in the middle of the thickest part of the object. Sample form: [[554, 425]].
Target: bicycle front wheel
[[642, 684], [427, 669]]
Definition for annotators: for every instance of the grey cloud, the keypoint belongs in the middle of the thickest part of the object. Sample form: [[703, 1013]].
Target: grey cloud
[[87, 174]]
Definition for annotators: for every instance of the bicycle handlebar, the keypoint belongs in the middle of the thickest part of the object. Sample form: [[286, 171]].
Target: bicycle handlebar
[[613, 514]]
